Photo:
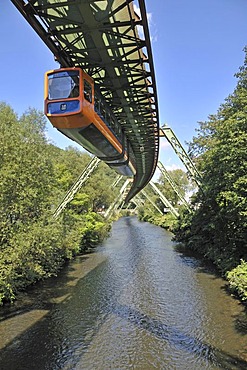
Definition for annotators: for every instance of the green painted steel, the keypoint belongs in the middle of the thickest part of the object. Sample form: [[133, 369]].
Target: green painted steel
[[164, 200], [150, 201], [168, 177], [103, 38], [77, 185], [168, 133]]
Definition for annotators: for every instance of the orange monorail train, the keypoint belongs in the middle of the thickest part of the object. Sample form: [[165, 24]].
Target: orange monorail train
[[75, 107]]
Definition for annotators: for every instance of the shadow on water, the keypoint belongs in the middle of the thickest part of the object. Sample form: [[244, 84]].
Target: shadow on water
[[35, 297], [52, 340], [196, 261], [241, 322], [180, 340], [53, 347], [73, 316]]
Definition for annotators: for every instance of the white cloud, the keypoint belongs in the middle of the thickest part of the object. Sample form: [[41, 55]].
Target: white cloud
[[137, 10], [153, 35], [149, 17], [173, 167], [164, 144]]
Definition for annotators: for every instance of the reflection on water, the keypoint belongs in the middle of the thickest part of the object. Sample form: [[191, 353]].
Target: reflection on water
[[136, 303]]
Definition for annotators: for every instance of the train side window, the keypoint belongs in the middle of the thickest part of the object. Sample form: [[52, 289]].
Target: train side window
[[112, 122], [96, 104], [87, 91], [103, 112], [101, 146], [108, 119]]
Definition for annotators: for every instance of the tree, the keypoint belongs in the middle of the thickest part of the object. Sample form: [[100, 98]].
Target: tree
[[182, 182], [34, 176], [98, 187], [218, 226], [26, 171]]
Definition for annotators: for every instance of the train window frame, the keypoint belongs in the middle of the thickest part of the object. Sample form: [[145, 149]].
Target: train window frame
[[61, 75], [88, 90]]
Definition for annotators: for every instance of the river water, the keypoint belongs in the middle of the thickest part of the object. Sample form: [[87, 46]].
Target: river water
[[135, 303]]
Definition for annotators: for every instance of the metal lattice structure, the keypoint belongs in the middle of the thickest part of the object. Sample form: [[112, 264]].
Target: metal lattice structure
[[164, 200], [174, 186], [120, 199], [103, 38], [168, 133], [77, 185]]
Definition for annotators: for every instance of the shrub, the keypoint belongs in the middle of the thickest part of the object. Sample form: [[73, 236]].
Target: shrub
[[238, 279]]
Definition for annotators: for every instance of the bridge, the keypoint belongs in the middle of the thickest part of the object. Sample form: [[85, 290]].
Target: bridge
[[111, 42]]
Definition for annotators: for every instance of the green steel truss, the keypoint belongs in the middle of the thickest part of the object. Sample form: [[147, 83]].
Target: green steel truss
[[167, 132], [103, 38]]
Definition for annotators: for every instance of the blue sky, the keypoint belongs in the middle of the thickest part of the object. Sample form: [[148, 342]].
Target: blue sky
[[197, 48]]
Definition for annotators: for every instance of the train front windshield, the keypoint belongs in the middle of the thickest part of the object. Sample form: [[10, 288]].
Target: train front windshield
[[63, 85]]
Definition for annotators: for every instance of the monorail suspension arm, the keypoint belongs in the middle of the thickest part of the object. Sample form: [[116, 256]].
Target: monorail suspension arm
[[77, 185]]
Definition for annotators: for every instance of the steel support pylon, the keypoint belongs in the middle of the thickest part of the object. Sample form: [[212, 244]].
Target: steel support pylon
[[166, 174], [150, 201], [118, 200], [168, 133], [164, 200], [77, 185]]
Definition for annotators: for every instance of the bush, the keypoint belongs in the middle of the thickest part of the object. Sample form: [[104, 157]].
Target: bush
[[238, 280], [92, 232]]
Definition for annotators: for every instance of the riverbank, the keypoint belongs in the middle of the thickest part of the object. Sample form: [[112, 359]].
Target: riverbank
[[236, 278], [231, 268], [29, 261], [35, 177]]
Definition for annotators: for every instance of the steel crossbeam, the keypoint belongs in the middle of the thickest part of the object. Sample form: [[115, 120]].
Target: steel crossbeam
[[103, 38], [168, 133]]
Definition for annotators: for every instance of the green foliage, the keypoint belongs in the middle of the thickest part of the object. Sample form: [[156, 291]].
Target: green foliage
[[149, 215], [93, 231], [166, 221], [25, 172], [217, 227], [238, 279], [98, 187], [34, 177], [182, 183]]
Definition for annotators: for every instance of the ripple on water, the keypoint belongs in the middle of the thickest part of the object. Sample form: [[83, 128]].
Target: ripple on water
[[137, 303]]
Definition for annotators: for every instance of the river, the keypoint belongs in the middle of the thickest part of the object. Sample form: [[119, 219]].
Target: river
[[137, 302]]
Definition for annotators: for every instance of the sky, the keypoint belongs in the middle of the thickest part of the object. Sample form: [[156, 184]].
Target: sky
[[197, 48]]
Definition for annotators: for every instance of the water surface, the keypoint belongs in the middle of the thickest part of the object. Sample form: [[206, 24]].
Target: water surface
[[135, 303]]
